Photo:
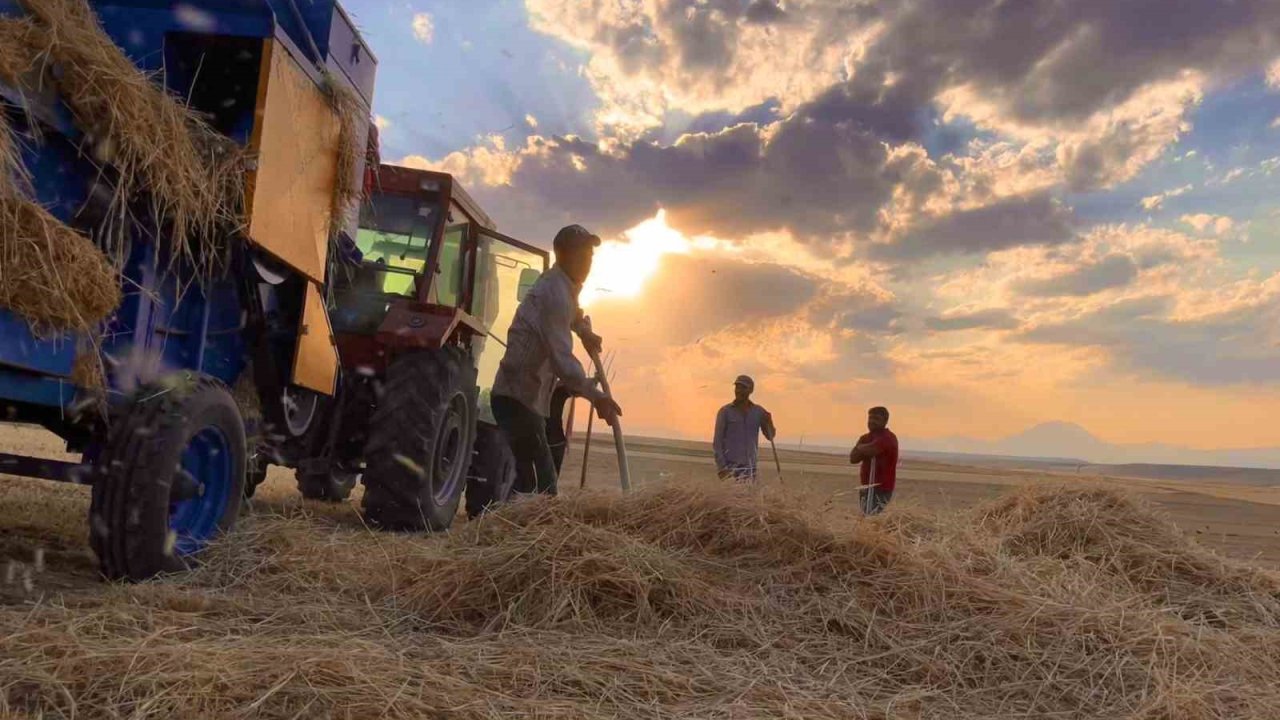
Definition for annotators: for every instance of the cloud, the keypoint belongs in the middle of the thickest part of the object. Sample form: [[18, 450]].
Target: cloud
[[531, 121], [1212, 224], [1155, 202], [989, 319], [1234, 347], [694, 295], [1034, 220], [381, 121], [1273, 73], [424, 28], [1113, 271]]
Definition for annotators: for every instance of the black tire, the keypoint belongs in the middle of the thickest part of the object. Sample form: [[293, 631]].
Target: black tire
[[333, 486], [420, 442], [140, 469], [493, 472]]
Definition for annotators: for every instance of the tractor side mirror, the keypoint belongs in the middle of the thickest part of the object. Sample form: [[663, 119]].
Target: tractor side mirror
[[528, 277]]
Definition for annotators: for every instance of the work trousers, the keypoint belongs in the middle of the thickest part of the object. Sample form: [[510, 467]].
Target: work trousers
[[741, 473], [875, 504], [526, 433]]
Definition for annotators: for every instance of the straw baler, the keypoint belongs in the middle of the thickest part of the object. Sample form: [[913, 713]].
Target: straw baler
[[163, 438]]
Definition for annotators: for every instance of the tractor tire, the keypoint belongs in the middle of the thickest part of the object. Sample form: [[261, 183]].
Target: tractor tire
[[334, 486], [493, 472], [420, 442], [170, 478]]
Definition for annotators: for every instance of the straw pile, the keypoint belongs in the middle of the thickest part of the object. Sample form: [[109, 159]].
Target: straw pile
[[51, 275], [673, 603], [157, 150], [351, 114], [191, 176]]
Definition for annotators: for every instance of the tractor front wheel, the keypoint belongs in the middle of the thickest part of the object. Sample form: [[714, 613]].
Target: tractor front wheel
[[420, 442], [170, 478]]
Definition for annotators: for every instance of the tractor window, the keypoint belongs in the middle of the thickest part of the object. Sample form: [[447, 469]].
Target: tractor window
[[446, 288], [504, 274], [393, 238]]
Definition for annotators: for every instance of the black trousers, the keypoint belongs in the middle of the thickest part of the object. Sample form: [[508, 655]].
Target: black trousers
[[876, 503], [526, 433]]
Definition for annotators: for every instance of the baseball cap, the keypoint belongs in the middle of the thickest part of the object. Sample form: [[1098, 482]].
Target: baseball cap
[[746, 382], [575, 236]]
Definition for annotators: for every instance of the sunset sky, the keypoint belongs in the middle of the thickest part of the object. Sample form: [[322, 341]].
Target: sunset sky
[[982, 214]]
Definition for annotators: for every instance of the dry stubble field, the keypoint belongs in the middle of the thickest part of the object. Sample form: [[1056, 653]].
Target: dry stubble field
[[982, 594]]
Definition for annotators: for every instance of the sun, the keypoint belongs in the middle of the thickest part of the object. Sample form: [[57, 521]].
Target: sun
[[622, 267]]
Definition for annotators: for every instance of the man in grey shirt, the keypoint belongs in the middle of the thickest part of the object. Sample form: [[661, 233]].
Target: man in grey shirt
[[737, 439], [539, 350]]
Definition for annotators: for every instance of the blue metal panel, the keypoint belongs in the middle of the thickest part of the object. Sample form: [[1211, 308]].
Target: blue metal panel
[[23, 387], [19, 348]]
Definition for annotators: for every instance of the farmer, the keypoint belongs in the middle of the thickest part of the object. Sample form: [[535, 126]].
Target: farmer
[[737, 438], [539, 350], [877, 452]]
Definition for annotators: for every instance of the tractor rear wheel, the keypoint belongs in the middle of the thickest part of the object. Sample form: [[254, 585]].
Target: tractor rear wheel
[[420, 442], [170, 478], [493, 472]]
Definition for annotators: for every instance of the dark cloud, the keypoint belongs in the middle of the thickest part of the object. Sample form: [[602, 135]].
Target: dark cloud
[[829, 170], [1225, 349], [857, 310], [764, 12], [992, 319], [1113, 271], [1034, 220]]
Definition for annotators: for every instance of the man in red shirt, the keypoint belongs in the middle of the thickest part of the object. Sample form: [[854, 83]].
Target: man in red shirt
[[877, 451]]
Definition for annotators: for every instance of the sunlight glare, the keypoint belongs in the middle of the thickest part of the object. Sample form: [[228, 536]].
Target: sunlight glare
[[622, 267]]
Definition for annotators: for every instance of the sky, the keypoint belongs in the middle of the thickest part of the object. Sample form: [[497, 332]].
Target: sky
[[982, 214]]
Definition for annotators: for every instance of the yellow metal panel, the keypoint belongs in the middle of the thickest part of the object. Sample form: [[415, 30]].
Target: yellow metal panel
[[315, 363], [295, 139]]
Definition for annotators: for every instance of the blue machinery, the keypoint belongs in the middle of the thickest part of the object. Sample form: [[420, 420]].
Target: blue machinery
[[167, 454]]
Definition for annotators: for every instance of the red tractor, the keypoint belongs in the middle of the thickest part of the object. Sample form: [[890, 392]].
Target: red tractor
[[420, 303]]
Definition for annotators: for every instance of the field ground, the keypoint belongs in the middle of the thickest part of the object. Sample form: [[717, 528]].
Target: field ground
[[980, 594], [1239, 522]]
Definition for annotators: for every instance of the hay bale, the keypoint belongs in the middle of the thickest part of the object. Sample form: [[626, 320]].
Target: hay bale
[[54, 277], [192, 177], [19, 48]]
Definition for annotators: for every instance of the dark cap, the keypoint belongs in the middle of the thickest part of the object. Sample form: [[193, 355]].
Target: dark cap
[[746, 382], [572, 237]]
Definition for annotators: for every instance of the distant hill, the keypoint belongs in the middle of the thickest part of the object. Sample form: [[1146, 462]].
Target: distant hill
[[1063, 440]]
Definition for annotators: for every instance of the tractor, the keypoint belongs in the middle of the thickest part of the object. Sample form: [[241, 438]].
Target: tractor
[[420, 304]]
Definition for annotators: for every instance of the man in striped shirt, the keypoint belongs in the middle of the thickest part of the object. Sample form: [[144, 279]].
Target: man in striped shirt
[[539, 350]]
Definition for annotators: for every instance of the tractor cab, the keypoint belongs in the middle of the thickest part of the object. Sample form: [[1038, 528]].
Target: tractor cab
[[427, 268], [420, 301]]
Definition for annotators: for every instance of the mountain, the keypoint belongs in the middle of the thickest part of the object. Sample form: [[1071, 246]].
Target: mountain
[[1070, 442]]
